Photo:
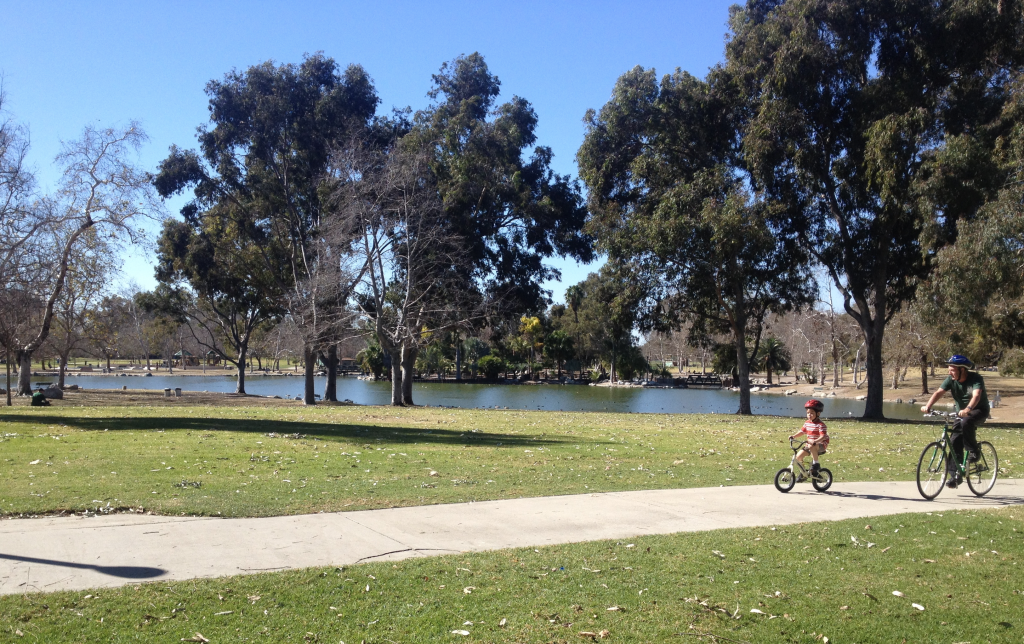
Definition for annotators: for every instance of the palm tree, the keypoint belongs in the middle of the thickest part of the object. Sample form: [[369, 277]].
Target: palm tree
[[773, 356]]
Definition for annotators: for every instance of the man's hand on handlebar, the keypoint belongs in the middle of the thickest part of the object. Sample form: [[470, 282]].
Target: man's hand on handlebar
[[926, 409]]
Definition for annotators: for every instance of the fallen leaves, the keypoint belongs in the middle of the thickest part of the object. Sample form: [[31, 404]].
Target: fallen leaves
[[198, 637]]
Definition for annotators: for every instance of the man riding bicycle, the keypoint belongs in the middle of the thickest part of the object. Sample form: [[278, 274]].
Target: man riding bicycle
[[971, 401]]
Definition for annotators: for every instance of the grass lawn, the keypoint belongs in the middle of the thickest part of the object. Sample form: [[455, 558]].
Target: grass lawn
[[957, 572], [256, 457]]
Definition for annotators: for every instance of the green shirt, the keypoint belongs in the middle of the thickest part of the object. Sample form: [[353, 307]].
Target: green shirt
[[963, 391], [38, 399]]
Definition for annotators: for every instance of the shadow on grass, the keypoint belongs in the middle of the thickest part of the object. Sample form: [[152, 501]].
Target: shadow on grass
[[124, 572], [285, 428]]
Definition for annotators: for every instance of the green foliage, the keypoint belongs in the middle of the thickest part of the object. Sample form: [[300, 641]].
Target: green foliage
[[559, 347], [773, 357], [872, 153], [1012, 363], [723, 358], [491, 366], [508, 212], [371, 359], [668, 189]]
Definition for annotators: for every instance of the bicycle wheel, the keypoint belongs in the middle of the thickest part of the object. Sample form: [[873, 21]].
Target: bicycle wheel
[[931, 471], [824, 480], [981, 475], [784, 480]]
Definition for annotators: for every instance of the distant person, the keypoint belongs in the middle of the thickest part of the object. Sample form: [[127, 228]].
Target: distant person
[[817, 435], [972, 408], [39, 399]]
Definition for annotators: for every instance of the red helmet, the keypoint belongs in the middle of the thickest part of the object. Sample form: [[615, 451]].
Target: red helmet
[[816, 405]]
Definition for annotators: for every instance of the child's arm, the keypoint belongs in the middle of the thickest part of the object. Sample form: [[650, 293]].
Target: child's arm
[[801, 432]]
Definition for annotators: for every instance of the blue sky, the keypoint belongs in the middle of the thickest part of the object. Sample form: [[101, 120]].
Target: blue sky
[[66, 64]]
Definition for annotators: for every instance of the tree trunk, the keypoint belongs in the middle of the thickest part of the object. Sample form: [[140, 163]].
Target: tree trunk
[[408, 365], [873, 374], [742, 370], [924, 373], [240, 385], [835, 365], [62, 369], [10, 402], [309, 393], [24, 373], [331, 388], [396, 382], [612, 376], [458, 358], [768, 371]]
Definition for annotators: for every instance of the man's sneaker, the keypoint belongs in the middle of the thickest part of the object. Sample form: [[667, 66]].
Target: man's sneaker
[[973, 456], [954, 480]]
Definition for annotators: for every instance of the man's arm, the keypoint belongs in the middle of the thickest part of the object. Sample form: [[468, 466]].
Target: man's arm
[[971, 406], [935, 396]]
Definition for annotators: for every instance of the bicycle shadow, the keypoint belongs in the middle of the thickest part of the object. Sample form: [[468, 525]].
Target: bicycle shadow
[[993, 500], [124, 572]]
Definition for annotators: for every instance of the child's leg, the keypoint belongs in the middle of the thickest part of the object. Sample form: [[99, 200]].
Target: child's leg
[[814, 453], [801, 455]]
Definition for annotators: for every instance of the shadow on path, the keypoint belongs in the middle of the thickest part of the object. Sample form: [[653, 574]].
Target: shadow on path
[[288, 429], [991, 499], [125, 572]]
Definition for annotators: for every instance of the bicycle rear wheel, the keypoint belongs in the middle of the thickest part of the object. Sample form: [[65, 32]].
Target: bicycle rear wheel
[[931, 471], [824, 480], [981, 475]]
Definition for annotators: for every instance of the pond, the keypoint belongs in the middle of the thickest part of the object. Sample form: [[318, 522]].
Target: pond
[[545, 397]]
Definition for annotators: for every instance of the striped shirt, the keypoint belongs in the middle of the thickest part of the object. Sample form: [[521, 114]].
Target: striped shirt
[[816, 431]]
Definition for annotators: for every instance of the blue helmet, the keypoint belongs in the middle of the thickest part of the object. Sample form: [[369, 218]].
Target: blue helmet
[[959, 361]]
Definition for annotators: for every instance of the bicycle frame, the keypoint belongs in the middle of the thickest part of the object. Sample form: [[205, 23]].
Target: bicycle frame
[[947, 447], [795, 464]]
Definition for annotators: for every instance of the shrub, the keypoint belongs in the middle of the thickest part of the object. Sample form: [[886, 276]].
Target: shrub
[[1012, 363], [491, 366]]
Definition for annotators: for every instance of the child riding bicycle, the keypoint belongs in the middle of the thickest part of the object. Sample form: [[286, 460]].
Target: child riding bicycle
[[817, 435], [972, 407]]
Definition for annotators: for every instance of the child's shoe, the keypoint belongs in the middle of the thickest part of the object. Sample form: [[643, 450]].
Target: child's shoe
[[815, 470]]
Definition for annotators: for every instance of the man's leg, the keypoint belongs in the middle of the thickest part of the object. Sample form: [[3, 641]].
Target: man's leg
[[970, 429]]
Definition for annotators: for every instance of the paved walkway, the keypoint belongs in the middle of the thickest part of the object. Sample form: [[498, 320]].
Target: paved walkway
[[76, 553]]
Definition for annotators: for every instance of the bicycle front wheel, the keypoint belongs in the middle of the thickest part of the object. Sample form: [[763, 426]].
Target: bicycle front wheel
[[931, 471], [981, 475], [785, 480]]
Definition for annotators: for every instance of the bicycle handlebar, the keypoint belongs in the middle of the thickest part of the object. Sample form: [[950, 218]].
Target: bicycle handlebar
[[941, 414]]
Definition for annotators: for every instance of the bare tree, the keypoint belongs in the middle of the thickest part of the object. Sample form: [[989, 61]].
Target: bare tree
[[413, 282], [85, 283], [100, 190]]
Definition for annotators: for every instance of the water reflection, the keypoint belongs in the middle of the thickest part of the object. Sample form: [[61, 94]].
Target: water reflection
[[545, 397]]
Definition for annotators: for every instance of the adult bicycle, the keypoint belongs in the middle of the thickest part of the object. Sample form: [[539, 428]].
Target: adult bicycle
[[933, 468]]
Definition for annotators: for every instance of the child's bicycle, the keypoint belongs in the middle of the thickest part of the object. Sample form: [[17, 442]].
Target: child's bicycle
[[787, 477], [932, 467]]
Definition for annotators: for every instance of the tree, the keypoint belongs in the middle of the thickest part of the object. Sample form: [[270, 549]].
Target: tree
[[510, 213], [108, 326], [773, 356], [667, 191], [873, 123], [412, 285], [101, 190], [558, 346], [227, 275], [266, 159]]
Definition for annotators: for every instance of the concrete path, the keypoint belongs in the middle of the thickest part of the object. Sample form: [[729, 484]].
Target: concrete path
[[76, 553]]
